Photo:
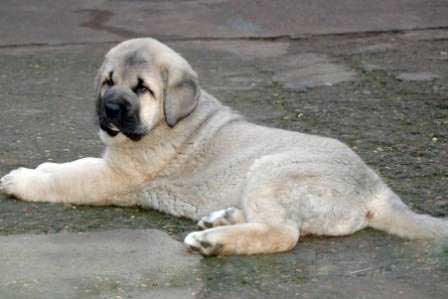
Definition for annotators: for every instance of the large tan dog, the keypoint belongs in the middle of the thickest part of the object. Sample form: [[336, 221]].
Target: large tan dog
[[173, 147]]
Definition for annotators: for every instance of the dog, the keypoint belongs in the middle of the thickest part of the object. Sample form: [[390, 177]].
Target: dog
[[173, 147]]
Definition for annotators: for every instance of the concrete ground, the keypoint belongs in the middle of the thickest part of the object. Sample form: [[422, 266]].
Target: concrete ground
[[373, 74]]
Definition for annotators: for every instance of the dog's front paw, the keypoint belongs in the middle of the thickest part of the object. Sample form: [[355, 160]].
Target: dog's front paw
[[198, 242], [19, 183], [10, 183]]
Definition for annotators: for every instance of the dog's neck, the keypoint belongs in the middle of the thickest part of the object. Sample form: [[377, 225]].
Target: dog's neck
[[168, 149]]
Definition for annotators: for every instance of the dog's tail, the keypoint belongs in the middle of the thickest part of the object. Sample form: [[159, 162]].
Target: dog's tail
[[388, 213]]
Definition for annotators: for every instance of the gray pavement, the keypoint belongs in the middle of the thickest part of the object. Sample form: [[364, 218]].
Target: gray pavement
[[110, 264], [372, 74]]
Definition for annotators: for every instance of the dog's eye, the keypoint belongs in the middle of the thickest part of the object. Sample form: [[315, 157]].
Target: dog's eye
[[142, 89]]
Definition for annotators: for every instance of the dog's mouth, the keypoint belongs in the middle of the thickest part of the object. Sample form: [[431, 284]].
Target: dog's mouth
[[110, 130], [118, 111], [131, 129]]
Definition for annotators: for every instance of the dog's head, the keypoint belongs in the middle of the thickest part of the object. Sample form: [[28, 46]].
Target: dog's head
[[142, 83]]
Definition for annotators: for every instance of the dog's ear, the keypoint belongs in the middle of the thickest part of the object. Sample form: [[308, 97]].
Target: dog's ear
[[181, 94]]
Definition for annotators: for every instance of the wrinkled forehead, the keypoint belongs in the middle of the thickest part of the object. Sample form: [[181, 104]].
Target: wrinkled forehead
[[128, 64], [129, 58], [135, 58]]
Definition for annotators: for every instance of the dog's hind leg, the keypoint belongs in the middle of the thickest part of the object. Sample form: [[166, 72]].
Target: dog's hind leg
[[229, 216], [268, 232], [243, 239], [270, 226]]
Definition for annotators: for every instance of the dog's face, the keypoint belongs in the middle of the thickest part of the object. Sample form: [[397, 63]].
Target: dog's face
[[141, 84]]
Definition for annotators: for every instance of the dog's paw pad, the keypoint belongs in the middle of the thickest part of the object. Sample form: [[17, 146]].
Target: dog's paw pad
[[197, 242]]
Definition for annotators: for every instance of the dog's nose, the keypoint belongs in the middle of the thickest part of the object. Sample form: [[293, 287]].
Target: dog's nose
[[112, 110], [118, 102]]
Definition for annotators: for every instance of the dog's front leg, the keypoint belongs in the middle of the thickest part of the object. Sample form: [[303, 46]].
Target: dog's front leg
[[84, 181]]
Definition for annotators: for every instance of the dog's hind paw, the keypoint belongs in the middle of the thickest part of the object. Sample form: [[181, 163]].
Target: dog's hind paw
[[227, 216], [198, 242]]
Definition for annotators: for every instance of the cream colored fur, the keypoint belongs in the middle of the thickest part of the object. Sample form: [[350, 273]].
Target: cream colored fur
[[253, 189]]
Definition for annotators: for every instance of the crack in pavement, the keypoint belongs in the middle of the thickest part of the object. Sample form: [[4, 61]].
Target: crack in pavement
[[274, 38], [99, 18]]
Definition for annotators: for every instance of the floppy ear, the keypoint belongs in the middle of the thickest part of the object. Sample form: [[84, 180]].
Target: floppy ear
[[181, 95]]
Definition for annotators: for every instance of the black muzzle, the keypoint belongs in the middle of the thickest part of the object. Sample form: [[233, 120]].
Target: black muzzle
[[118, 111]]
